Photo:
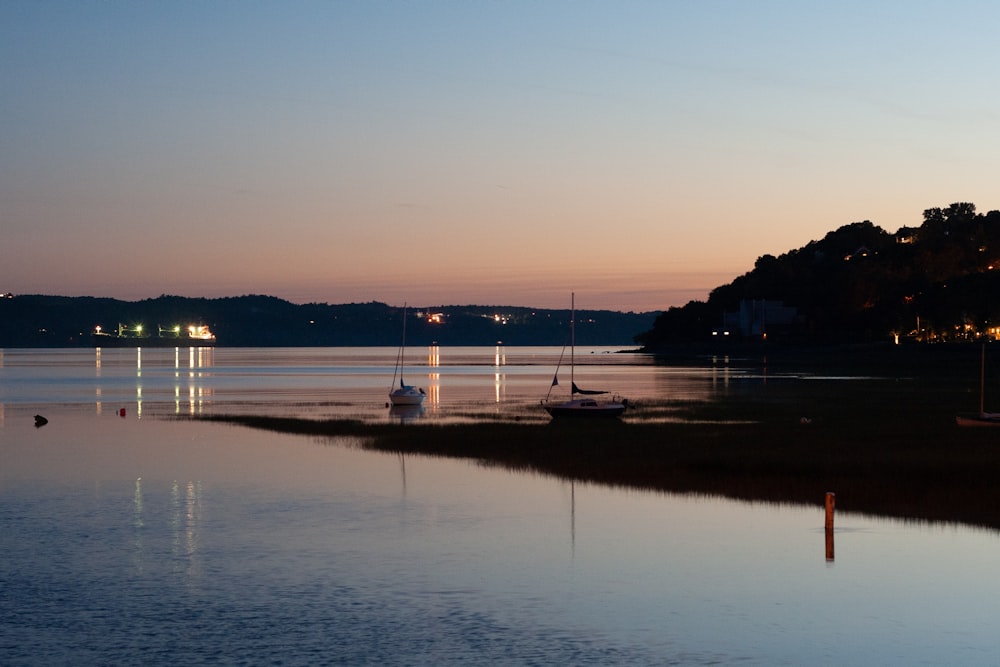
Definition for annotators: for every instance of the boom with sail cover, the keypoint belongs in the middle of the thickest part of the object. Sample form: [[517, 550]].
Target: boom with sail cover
[[580, 407]]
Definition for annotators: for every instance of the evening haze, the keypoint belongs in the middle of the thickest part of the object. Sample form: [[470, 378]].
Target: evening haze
[[638, 153]]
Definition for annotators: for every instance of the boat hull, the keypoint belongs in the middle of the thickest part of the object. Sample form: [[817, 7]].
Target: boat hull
[[979, 419], [586, 409], [102, 340], [406, 396]]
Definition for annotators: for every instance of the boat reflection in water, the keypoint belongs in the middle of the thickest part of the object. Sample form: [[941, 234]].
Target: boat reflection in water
[[405, 414]]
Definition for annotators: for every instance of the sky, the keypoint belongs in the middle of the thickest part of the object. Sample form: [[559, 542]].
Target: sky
[[636, 153]]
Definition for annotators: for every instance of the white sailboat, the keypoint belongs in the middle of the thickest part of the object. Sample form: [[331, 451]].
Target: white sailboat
[[587, 405], [405, 394]]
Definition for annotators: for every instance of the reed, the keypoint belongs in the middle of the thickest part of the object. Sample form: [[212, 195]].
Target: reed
[[785, 445]]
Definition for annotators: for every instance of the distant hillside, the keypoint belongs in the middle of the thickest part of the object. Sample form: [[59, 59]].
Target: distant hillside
[[263, 321], [939, 281]]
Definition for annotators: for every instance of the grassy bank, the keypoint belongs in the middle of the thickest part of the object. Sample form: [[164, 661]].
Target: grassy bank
[[885, 448]]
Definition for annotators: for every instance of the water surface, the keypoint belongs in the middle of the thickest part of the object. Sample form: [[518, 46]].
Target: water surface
[[141, 539]]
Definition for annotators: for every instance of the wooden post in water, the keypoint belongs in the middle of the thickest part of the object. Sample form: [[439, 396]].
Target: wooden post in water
[[831, 501]]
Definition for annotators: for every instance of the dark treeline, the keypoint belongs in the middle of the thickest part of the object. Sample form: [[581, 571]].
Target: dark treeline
[[265, 321], [935, 282]]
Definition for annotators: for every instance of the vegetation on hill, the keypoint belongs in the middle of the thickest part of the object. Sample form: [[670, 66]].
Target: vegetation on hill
[[267, 321], [935, 282]]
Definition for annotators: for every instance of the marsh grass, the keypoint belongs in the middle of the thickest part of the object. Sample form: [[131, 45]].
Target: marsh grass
[[886, 444], [918, 466]]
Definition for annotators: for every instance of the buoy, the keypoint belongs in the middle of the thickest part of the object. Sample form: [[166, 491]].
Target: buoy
[[121, 413]]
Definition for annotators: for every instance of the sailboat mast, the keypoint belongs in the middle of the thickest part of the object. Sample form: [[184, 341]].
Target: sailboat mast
[[402, 348], [982, 379], [572, 341]]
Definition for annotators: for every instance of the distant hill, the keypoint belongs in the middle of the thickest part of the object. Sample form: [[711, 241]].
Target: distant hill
[[266, 321], [939, 281]]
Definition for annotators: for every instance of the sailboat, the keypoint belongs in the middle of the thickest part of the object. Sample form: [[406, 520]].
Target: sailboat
[[405, 394], [587, 405], [982, 418]]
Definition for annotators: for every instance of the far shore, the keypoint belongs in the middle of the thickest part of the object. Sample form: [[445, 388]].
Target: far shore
[[793, 444]]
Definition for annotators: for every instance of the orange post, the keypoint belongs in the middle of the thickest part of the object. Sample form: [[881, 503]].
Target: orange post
[[831, 501]]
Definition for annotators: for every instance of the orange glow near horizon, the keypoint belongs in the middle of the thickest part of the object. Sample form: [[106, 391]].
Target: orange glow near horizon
[[497, 164]]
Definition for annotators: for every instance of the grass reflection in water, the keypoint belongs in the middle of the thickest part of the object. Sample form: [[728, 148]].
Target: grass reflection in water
[[884, 449]]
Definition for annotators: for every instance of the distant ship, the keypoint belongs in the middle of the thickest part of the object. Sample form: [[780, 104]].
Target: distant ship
[[196, 335]]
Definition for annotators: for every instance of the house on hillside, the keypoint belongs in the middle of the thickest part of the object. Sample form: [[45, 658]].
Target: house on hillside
[[760, 317]]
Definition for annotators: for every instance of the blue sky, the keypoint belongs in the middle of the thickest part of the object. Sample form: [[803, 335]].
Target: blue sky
[[638, 153]]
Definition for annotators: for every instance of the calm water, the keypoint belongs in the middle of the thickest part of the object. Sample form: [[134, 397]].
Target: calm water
[[146, 540]]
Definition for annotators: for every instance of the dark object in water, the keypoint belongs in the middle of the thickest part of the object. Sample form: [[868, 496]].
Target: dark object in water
[[40, 421]]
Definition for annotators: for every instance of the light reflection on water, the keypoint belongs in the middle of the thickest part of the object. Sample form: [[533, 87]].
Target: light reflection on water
[[144, 540], [461, 383]]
